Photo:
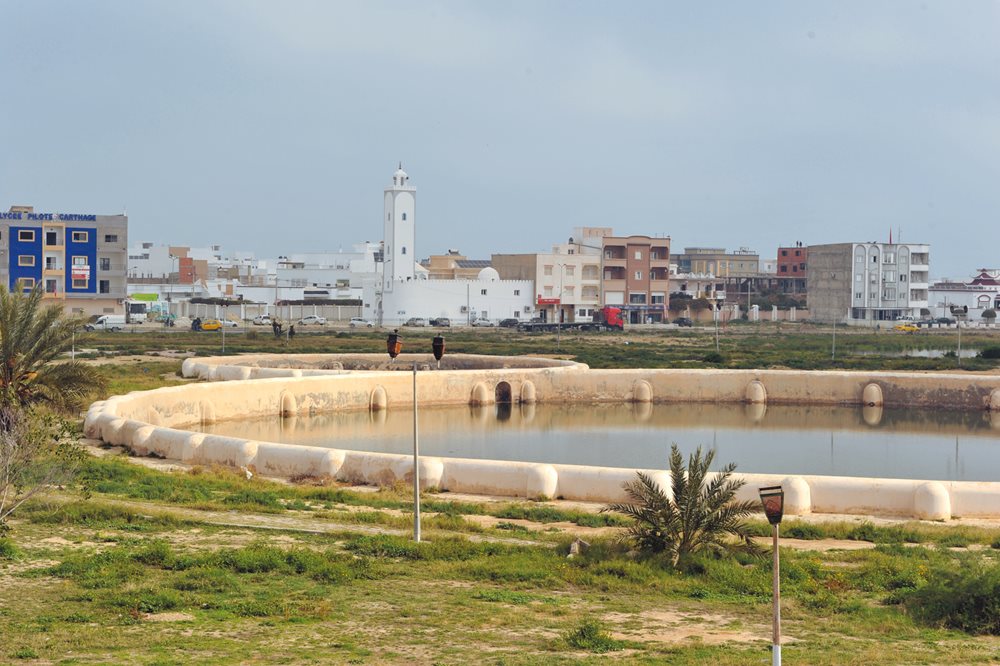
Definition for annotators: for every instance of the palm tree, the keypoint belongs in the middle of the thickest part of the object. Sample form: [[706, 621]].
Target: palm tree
[[33, 336], [699, 514]]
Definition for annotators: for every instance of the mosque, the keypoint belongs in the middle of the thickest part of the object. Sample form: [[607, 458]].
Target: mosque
[[404, 290]]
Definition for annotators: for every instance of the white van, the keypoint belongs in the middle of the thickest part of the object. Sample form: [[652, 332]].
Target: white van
[[107, 323]]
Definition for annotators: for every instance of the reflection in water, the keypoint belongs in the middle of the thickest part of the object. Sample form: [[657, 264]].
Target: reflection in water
[[842, 441], [872, 414]]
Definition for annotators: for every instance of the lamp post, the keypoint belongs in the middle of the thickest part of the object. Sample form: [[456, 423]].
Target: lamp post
[[773, 499], [833, 345], [559, 310]]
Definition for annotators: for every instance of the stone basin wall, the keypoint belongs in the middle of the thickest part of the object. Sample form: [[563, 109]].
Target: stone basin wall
[[154, 422]]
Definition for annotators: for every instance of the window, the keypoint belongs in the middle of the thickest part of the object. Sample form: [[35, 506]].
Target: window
[[26, 283], [638, 254], [637, 299], [105, 264], [547, 270], [404, 217], [79, 284], [638, 275], [654, 255], [50, 286], [571, 270], [404, 249], [26, 236], [548, 291], [902, 277], [104, 286], [783, 269], [79, 261], [517, 314], [81, 236], [110, 238], [858, 295], [51, 238], [657, 299], [784, 253], [482, 292], [517, 292], [795, 269], [25, 260]]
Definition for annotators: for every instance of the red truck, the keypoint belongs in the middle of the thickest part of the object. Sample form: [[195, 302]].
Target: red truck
[[607, 318]]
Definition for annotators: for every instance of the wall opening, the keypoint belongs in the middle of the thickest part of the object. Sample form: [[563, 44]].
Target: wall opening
[[503, 394]]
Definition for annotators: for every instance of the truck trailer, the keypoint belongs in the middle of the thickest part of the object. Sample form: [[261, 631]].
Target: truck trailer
[[606, 319]]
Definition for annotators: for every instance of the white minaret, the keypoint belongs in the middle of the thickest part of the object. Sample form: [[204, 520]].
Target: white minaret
[[398, 239]]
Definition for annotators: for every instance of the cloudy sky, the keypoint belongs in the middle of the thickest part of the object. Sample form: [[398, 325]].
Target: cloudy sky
[[274, 126]]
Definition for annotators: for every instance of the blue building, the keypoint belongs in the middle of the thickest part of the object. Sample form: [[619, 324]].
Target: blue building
[[78, 259]]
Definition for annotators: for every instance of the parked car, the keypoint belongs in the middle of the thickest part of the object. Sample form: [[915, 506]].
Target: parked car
[[509, 322], [106, 323], [944, 320], [206, 325], [906, 328], [683, 321], [229, 323], [415, 321], [314, 320], [361, 322], [262, 320], [482, 322], [441, 322], [904, 318]]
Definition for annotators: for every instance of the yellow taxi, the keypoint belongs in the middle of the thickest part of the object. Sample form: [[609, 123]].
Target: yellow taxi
[[210, 324], [906, 328]]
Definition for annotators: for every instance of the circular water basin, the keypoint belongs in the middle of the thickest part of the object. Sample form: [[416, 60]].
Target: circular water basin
[[820, 440]]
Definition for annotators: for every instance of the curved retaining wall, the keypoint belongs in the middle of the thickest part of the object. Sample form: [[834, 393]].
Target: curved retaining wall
[[154, 421]]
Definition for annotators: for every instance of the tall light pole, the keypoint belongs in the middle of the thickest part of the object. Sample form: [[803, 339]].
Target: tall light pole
[[562, 274], [833, 346]]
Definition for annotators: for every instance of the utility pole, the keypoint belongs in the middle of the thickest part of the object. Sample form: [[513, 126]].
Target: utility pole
[[416, 462]]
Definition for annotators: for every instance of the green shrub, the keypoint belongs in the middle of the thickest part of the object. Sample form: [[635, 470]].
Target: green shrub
[[8, 551], [798, 530], [25, 653], [990, 352], [590, 636], [882, 534], [961, 598], [255, 558], [503, 596], [206, 579], [713, 357]]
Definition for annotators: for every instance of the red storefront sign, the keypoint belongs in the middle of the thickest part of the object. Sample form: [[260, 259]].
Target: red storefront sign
[[547, 301]]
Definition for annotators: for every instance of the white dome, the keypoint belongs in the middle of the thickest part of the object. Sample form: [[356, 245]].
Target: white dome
[[400, 173], [489, 273]]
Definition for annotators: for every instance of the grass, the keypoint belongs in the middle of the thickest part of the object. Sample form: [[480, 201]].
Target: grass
[[450, 599], [742, 345], [86, 581]]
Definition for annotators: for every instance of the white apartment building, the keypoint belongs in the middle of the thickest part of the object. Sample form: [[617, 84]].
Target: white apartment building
[[567, 280], [860, 283]]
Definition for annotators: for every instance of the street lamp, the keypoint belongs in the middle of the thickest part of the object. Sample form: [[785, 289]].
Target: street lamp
[[773, 499]]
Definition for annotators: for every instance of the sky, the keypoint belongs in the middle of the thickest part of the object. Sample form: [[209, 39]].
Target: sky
[[273, 127]]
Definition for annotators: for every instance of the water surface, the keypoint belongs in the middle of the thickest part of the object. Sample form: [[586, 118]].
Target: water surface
[[839, 441]]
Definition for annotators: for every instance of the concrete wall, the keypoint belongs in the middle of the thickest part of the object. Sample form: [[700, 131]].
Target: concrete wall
[[154, 422]]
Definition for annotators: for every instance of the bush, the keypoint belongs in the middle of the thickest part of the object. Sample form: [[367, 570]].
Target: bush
[[713, 357], [961, 598], [592, 637], [8, 551], [990, 352]]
